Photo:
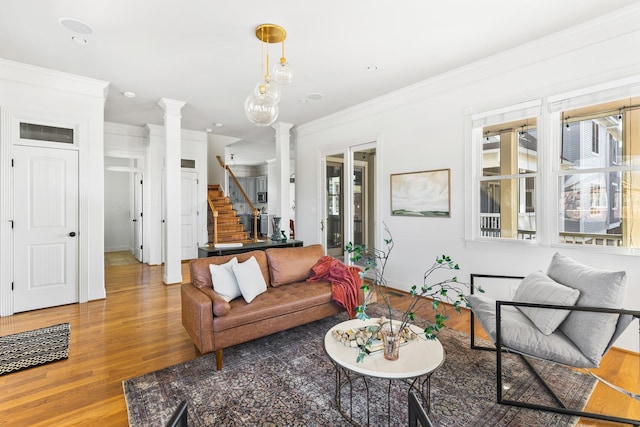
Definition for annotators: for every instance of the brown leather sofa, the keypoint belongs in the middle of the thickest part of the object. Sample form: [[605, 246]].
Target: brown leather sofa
[[215, 324]]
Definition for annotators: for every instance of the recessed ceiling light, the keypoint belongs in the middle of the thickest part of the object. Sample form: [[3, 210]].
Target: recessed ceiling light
[[80, 40], [215, 125], [372, 68], [315, 96], [75, 26], [129, 94]]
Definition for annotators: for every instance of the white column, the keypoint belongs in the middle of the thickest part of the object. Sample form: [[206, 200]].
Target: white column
[[153, 188], [172, 194], [282, 173]]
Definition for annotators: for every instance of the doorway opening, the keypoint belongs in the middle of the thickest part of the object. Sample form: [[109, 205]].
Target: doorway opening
[[123, 210]]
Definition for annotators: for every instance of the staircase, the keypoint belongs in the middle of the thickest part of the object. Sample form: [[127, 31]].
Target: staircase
[[229, 227]]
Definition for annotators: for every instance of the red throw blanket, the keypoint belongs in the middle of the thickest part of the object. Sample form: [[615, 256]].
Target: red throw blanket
[[345, 282]]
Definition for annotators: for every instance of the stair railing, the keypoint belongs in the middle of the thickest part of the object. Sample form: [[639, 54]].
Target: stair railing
[[214, 211], [246, 198]]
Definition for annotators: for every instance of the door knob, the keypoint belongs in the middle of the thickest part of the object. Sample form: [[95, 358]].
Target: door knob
[[72, 234]]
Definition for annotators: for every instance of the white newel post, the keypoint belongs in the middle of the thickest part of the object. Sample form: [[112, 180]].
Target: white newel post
[[172, 190], [282, 173]]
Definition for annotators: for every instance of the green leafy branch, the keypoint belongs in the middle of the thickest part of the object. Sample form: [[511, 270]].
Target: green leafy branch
[[374, 262]]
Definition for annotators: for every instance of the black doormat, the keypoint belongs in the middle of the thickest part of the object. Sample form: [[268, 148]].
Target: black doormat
[[34, 348]]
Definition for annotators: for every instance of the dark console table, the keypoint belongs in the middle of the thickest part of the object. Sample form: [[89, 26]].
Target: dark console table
[[207, 251]]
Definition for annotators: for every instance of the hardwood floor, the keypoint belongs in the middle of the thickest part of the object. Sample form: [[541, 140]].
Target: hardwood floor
[[138, 329], [113, 259]]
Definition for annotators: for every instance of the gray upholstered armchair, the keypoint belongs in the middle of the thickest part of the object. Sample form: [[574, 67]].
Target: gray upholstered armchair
[[571, 315]]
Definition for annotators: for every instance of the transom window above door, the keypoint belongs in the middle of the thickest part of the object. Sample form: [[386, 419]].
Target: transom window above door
[[38, 132]]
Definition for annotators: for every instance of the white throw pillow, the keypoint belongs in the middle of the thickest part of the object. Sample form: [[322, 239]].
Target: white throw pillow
[[537, 288], [250, 279], [224, 279]]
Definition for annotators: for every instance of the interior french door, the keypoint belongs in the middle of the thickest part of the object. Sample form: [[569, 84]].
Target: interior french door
[[334, 168], [349, 203]]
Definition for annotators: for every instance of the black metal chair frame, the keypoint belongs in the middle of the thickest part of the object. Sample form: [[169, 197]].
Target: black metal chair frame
[[562, 409], [179, 417], [417, 412]]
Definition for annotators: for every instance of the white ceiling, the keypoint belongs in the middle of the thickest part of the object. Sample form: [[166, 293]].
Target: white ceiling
[[205, 52]]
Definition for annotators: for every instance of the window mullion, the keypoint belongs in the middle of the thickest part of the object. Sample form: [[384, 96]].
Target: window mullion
[[548, 150], [514, 176]]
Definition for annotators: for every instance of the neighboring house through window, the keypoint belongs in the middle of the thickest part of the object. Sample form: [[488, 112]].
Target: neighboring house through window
[[507, 180], [598, 159], [590, 150]]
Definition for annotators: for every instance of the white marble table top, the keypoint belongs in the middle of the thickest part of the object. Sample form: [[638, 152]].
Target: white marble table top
[[417, 357]]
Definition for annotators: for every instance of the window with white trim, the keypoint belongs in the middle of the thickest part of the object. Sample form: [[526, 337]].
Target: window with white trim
[[584, 191], [507, 180], [598, 173]]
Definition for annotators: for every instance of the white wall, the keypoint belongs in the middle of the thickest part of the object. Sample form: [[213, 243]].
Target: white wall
[[43, 94], [423, 128], [216, 145]]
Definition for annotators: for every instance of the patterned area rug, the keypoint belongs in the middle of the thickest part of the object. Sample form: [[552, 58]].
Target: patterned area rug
[[287, 379], [34, 348]]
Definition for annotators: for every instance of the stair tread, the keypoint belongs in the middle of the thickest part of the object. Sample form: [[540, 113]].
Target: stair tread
[[230, 230]]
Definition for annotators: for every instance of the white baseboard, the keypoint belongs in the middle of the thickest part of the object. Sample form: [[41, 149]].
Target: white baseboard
[[117, 248]]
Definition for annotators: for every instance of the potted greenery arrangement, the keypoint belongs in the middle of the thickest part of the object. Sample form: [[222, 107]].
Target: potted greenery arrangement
[[394, 326]]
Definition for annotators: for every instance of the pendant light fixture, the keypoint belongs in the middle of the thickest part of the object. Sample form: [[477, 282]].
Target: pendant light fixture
[[283, 72], [261, 106]]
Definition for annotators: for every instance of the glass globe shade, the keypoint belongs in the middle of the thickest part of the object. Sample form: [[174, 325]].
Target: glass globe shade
[[261, 110], [283, 73], [271, 89]]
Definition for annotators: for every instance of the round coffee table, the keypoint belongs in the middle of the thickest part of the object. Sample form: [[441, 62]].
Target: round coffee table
[[418, 360]]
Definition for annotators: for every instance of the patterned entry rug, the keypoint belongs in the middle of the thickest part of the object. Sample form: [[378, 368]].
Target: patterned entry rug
[[287, 379], [34, 348]]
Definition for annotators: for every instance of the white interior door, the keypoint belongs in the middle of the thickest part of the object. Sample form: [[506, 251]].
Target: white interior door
[[137, 216], [189, 190], [45, 200], [163, 226]]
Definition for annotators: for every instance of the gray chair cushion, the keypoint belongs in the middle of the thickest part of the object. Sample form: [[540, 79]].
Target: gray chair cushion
[[538, 288], [624, 320], [520, 335], [591, 332]]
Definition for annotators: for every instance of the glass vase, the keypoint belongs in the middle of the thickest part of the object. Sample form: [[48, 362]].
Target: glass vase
[[275, 236], [391, 341]]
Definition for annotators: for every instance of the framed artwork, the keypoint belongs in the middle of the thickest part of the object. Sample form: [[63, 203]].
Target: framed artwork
[[422, 194]]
